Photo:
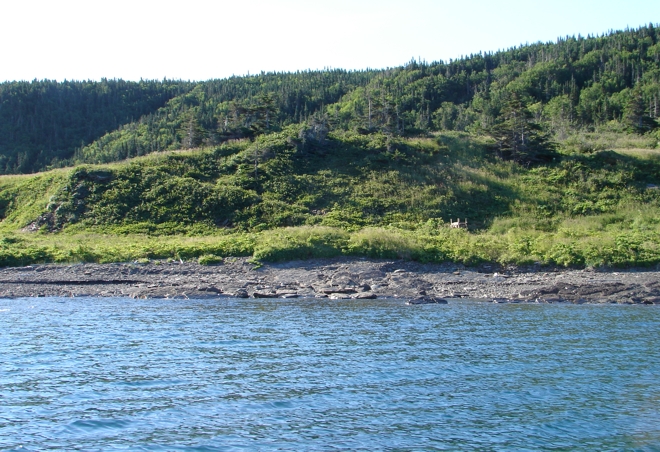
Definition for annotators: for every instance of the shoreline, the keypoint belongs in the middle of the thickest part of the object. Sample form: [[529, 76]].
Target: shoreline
[[336, 278]]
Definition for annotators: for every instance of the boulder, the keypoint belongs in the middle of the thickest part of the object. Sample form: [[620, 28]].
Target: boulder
[[241, 293], [651, 300]]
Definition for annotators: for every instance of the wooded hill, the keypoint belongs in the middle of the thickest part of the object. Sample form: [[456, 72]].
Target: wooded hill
[[526, 99], [42, 123]]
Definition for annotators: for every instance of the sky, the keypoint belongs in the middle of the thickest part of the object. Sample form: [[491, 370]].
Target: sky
[[201, 40]]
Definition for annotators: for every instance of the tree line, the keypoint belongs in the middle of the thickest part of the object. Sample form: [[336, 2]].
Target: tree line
[[43, 122], [523, 97]]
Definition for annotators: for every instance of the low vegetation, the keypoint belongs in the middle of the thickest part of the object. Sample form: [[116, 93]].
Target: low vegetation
[[279, 198]]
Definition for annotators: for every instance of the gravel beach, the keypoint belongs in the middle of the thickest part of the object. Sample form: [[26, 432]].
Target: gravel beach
[[340, 278]]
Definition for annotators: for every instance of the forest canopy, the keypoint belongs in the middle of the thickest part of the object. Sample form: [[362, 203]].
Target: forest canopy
[[526, 99]]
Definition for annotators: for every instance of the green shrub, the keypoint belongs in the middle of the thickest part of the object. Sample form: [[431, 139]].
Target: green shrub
[[384, 244], [303, 242], [209, 259]]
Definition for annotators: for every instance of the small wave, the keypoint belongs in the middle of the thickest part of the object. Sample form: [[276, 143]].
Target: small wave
[[88, 425]]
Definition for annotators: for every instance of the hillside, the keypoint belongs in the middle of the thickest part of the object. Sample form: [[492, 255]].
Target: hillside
[[552, 92], [42, 123], [282, 197], [549, 150]]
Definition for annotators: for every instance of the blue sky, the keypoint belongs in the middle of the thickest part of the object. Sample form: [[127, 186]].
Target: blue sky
[[200, 40]]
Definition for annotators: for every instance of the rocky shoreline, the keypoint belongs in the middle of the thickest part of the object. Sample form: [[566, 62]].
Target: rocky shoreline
[[341, 278]]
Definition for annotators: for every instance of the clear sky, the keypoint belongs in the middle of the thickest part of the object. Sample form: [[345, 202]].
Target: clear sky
[[200, 40]]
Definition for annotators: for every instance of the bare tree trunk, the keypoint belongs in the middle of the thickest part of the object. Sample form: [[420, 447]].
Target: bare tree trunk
[[369, 99], [256, 164]]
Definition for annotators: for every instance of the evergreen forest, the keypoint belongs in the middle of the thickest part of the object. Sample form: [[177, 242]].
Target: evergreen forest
[[545, 92]]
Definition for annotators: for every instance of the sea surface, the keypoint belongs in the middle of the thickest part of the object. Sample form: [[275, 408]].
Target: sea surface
[[226, 374]]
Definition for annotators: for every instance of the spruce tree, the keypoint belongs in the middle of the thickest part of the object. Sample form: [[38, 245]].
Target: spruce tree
[[518, 137]]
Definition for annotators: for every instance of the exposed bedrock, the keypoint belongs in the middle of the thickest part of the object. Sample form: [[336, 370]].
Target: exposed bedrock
[[340, 278]]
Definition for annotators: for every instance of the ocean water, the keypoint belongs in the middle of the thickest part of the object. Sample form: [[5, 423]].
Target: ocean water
[[121, 374]]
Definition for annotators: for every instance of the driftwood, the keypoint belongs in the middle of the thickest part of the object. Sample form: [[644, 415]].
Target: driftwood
[[458, 224]]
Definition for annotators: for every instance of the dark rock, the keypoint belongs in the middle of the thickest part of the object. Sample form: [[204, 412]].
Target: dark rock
[[241, 293], [426, 300], [651, 300], [264, 295], [344, 278], [209, 289], [331, 290]]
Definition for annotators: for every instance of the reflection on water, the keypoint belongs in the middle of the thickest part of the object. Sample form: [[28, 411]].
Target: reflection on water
[[321, 374]]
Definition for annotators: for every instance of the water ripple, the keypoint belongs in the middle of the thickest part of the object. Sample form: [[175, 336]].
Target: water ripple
[[104, 374]]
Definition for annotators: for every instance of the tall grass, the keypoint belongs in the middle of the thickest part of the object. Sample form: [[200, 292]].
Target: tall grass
[[627, 238], [603, 139]]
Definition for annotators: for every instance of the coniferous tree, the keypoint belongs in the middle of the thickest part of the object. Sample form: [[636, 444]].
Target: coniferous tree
[[635, 115], [192, 134], [518, 137], [572, 84]]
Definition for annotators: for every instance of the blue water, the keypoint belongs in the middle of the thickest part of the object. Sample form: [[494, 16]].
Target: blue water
[[105, 374]]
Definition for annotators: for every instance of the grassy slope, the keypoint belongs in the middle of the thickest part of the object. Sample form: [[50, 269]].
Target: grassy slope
[[356, 195]]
